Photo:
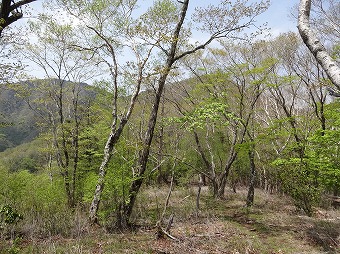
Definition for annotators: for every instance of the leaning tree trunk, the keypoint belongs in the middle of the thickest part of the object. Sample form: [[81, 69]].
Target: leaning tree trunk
[[108, 151], [315, 46], [112, 140], [144, 153]]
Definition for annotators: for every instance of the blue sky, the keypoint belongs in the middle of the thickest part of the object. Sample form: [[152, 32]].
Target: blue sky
[[277, 15]]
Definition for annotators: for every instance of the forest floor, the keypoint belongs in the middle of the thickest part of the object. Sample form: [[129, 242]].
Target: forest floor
[[271, 226]]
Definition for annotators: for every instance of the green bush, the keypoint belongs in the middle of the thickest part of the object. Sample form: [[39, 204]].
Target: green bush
[[41, 200], [300, 182], [9, 215]]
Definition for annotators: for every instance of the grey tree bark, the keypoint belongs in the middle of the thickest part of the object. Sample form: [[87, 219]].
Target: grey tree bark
[[320, 53]]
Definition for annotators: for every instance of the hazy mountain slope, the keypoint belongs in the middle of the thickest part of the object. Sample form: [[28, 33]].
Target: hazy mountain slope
[[18, 120]]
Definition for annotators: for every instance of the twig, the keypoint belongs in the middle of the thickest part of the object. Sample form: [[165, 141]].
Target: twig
[[168, 197], [166, 232], [170, 236], [198, 197], [184, 198]]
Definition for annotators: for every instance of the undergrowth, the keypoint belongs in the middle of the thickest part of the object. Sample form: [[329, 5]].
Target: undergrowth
[[272, 225]]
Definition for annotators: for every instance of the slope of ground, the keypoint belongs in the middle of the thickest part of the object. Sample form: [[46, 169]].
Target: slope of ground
[[271, 226]]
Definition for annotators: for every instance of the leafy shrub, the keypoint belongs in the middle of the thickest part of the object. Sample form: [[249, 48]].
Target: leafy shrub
[[41, 200], [300, 182], [9, 215]]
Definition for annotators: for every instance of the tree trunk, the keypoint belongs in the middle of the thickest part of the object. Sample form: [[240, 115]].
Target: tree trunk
[[207, 164], [222, 180], [250, 196], [203, 179], [200, 183], [111, 142], [162, 178], [115, 133], [336, 193], [315, 46], [144, 153]]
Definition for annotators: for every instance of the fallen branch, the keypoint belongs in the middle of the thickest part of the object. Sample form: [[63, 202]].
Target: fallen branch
[[161, 232]]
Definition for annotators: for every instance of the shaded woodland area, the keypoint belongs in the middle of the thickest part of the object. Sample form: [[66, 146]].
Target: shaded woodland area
[[142, 139]]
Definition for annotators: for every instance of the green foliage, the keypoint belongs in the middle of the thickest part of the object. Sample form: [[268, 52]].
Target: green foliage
[[239, 174], [300, 182], [117, 182], [41, 200], [89, 185], [29, 156], [15, 249], [317, 171], [221, 107], [336, 51], [324, 150], [157, 20], [9, 215], [209, 113]]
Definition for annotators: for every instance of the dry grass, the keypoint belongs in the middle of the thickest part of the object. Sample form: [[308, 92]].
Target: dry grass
[[271, 226]]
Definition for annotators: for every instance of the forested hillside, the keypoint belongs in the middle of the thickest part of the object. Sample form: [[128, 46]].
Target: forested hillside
[[18, 123], [143, 139], [21, 120]]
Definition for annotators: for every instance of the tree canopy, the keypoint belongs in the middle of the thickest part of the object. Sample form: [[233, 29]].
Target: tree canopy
[[190, 124]]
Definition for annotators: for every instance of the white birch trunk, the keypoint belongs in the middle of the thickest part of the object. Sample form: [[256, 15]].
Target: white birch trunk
[[330, 66]]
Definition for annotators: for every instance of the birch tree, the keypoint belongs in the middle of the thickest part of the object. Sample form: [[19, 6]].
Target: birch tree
[[319, 51]]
